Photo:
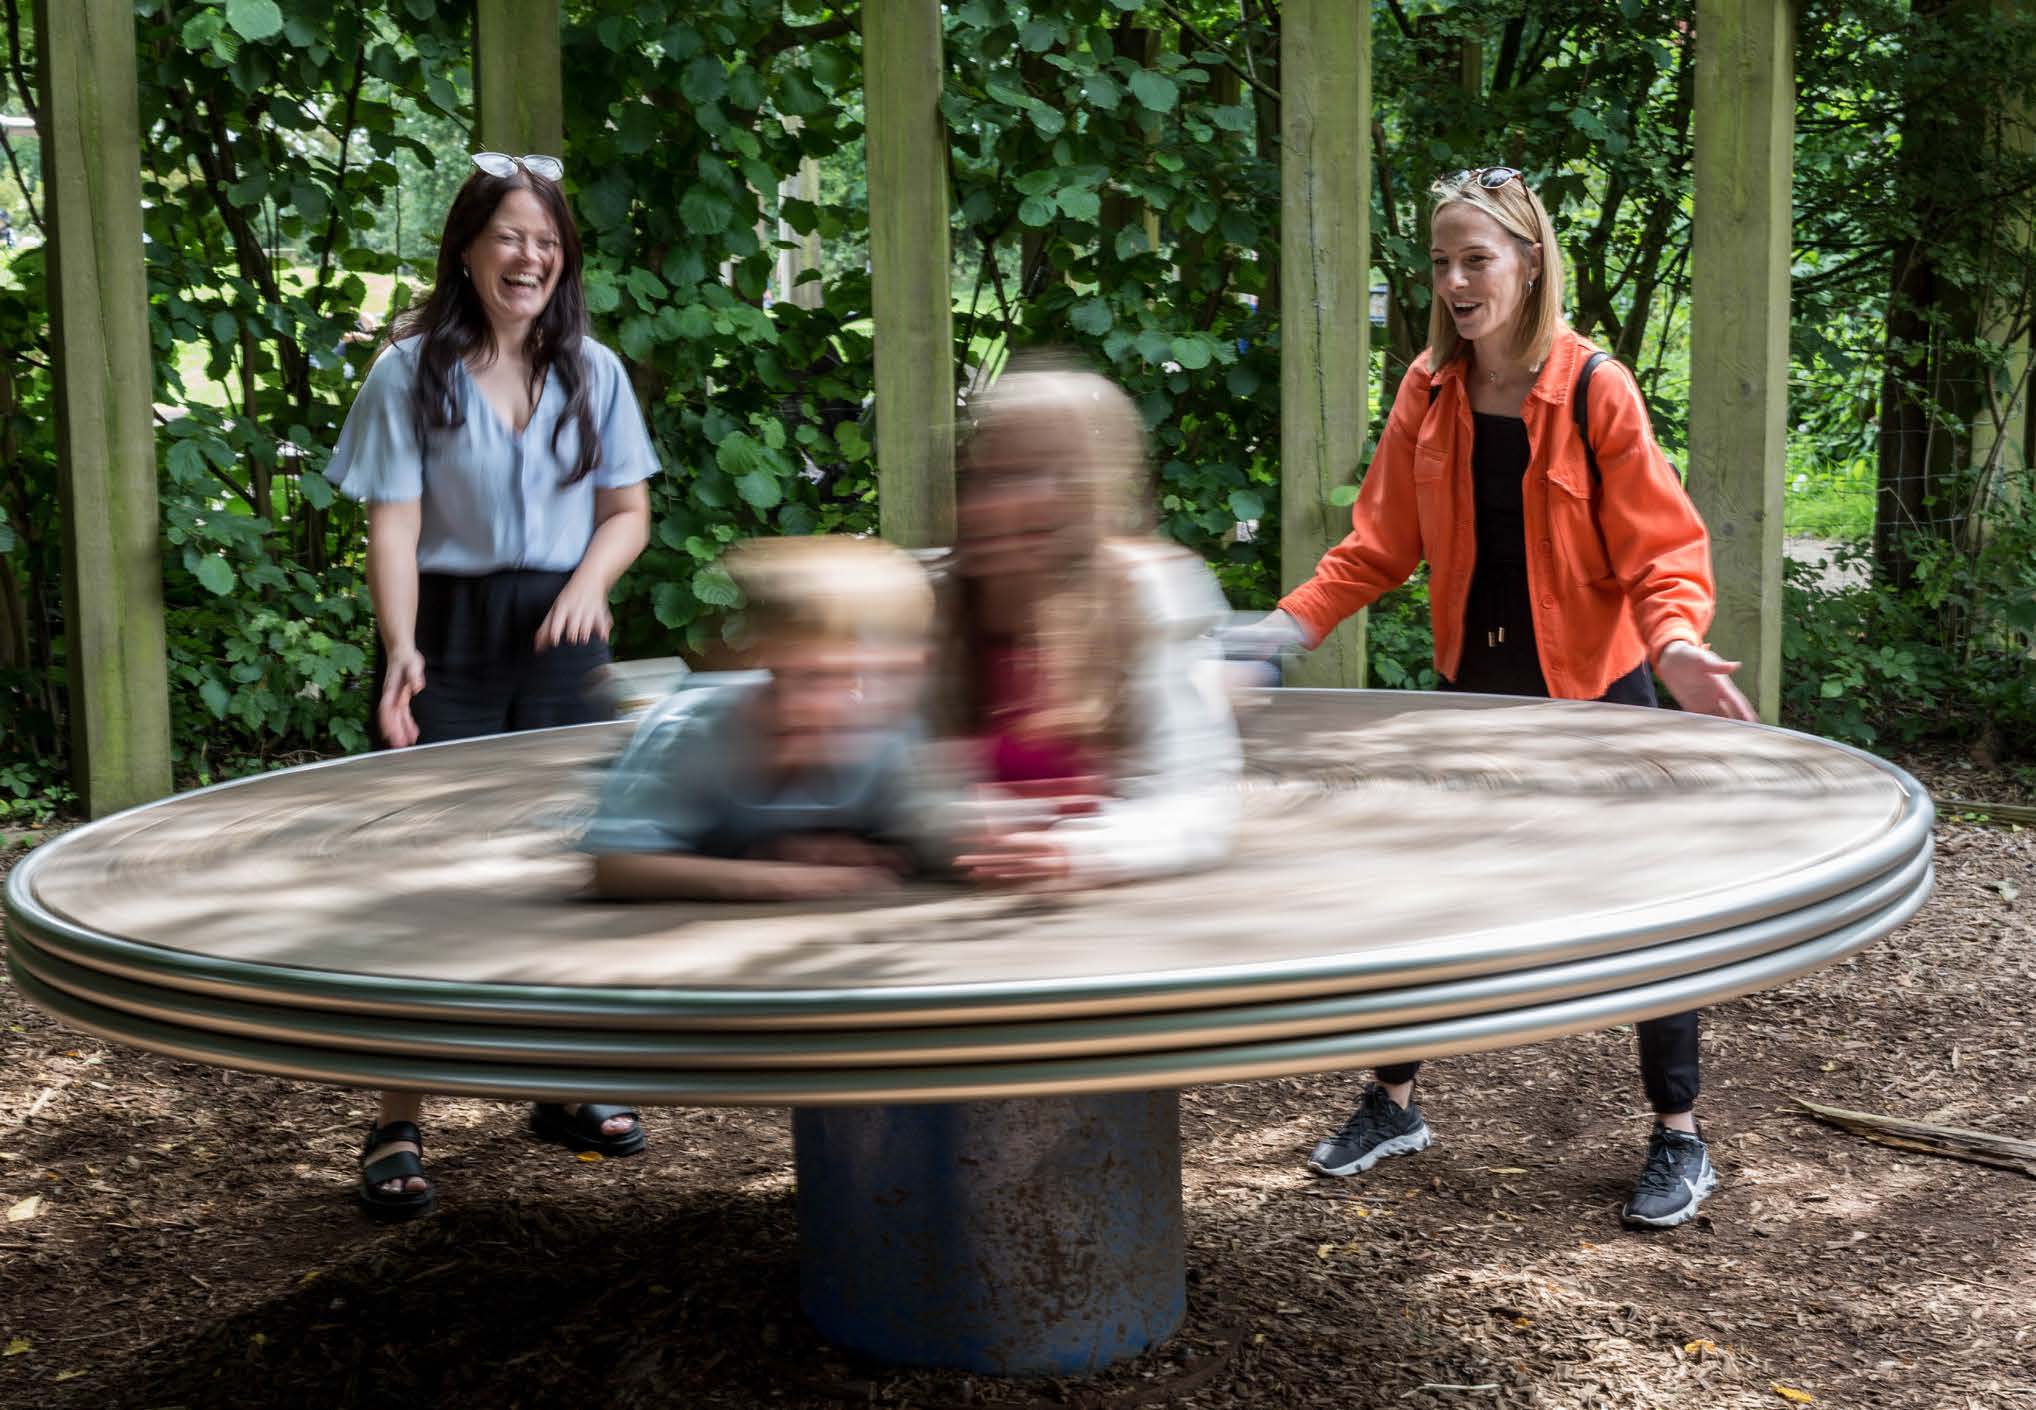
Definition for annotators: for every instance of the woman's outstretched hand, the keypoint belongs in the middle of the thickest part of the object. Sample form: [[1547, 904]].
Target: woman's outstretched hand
[[1701, 681], [580, 615], [1264, 639], [400, 684]]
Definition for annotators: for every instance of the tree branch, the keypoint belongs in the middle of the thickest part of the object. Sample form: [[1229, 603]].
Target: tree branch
[[789, 37], [34, 215], [353, 94], [1188, 27], [1509, 54], [19, 71], [14, 61]]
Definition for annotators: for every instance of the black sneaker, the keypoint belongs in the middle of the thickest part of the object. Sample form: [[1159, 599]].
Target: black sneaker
[[1377, 1129], [1677, 1176]]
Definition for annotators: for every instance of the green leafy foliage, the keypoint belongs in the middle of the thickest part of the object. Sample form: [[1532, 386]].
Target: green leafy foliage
[[1119, 200], [1115, 192], [270, 160], [273, 157], [684, 124], [1592, 102], [1948, 654]]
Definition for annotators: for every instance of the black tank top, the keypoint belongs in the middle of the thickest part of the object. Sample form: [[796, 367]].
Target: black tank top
[[1499, 652]]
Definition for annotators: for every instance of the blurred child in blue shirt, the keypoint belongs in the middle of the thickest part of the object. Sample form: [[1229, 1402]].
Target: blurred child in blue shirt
[[792, 780]]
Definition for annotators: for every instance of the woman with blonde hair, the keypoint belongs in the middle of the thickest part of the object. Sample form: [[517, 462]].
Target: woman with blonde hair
[[1080, 672], [1564, 560]]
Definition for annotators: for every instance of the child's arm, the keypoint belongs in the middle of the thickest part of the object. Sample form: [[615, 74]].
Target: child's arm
[[1172, 803], [678, 876]]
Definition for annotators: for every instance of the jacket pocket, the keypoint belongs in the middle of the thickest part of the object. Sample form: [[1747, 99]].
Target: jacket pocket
[[1431, 500], [1573, 523]]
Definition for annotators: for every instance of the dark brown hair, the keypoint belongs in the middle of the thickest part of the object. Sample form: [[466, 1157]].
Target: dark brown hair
[[451, 326]]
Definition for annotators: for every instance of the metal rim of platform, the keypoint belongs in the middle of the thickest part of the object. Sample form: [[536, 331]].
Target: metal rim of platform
[[1024, 1041], [975, 1081]]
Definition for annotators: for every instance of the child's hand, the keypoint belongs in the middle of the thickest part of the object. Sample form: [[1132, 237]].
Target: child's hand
[[1067, 797], [1003, 810], [833, 849], [801, 881], [1017, 859]]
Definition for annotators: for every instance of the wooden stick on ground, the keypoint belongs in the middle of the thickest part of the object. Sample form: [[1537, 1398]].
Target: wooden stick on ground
[[1980, 1147], [2003, 812]]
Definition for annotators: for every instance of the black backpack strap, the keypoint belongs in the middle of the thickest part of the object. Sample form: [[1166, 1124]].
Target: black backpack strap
[[1580, 407]]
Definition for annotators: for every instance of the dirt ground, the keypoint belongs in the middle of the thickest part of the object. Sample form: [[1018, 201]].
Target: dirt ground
[[194, 1242]]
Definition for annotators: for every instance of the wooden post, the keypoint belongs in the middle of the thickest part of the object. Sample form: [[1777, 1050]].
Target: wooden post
[[909, 256], [519, 99], [113, 580], [1325, 297], [1739, 322]]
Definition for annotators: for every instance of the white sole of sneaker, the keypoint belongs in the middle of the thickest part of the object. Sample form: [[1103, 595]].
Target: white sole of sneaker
[[1698, 1193], [1400, 1145]]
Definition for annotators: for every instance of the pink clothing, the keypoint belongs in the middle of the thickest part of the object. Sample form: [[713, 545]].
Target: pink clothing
[[1010, 693]]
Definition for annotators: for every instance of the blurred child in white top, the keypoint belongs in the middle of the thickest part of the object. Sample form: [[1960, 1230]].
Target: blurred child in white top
[[1079, 677]]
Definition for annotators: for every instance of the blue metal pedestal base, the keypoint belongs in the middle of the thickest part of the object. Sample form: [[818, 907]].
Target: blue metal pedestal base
[[1028, 1237]]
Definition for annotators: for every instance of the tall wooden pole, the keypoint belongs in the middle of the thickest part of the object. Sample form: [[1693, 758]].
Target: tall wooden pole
[[906, 144], [1739, 322], [1325, 297], [519, 96], [113, 583]]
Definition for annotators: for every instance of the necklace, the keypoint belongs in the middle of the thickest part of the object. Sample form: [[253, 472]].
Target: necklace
[[1492, 373]]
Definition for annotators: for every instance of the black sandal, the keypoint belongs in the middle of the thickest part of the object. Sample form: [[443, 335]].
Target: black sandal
[[395, 1206], [581, 1130]]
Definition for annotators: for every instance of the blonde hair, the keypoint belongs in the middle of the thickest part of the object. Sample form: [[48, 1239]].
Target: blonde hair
[[1084, 629], [829, 588], [1520, 212], [1104, 484]]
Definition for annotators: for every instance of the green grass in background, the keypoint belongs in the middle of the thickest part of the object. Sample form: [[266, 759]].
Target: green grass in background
[[1827, 499], [192, 357]]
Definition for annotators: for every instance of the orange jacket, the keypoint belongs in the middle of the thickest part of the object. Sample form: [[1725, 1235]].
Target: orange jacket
[[1618, 570]]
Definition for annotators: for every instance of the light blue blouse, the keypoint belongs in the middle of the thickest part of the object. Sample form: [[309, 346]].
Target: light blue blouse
[[492, 500]]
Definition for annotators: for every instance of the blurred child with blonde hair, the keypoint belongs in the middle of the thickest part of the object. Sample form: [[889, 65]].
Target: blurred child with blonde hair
[[792, 780], [1078, 663]]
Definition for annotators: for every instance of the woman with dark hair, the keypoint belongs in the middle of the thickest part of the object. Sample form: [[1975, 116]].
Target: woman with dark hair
[[1564, 559], [502, 458]]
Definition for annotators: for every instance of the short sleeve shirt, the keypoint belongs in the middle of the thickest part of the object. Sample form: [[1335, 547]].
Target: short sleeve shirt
[[691, 781], [492, 499]]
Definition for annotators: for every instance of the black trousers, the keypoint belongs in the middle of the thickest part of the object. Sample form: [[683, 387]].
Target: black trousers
[[482, 671], [1668, 1063], [1668, 1046]]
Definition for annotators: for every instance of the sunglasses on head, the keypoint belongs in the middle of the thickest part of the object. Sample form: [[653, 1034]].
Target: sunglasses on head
[[1489, 177], [502, 164]]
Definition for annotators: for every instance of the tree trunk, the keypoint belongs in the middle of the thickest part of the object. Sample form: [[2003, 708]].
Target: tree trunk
[[1120, 209], [1931, 380], [1265, 64]]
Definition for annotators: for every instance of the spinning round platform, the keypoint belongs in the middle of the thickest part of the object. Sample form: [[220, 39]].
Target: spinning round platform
[[1415, 875], [988, 1148]]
